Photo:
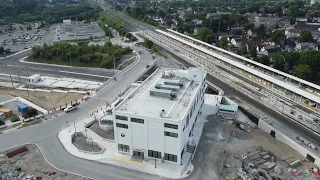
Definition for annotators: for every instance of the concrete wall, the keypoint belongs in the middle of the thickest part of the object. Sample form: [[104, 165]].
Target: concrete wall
[[283, 138]]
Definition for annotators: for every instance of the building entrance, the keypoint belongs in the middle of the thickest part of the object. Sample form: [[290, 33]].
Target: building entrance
[[138, 156]]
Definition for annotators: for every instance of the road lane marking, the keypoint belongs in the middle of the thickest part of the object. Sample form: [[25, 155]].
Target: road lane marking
[[69, 72]]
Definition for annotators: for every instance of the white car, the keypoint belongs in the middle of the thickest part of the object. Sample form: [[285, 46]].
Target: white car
[[69, 108]]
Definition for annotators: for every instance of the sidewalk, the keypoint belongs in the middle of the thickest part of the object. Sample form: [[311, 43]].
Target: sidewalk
[[111, 156]]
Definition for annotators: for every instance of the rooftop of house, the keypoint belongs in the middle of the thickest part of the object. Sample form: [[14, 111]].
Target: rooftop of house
[[272, 49], [167, 93]]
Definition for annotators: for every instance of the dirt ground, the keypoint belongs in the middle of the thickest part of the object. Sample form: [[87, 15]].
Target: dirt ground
[[46, 100], [33, 163], [244, 143]]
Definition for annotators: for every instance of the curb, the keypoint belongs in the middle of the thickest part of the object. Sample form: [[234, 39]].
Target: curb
[[47, 160]]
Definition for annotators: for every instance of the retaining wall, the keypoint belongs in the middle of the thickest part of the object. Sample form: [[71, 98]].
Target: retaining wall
[[283, 138]]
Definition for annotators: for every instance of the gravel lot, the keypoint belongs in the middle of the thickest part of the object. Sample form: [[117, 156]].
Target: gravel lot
[[47, 100], [32, 163]]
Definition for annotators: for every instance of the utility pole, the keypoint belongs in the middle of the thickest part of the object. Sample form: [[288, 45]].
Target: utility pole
[[19, 78], [11, 81], [70, 59], [114, 66]]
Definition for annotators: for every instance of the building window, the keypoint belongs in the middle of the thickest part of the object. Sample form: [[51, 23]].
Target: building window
[[171, 134], [136, 120], [125, 126], [124, 118], [172, 126], [155, 154], [187, 121], [123, 148], [170, 157]]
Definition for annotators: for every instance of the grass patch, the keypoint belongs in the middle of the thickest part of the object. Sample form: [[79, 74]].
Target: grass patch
[[14, 119]]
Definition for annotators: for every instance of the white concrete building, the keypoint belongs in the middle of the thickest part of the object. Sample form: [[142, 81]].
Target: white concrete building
[[78, 31], [157, 119]]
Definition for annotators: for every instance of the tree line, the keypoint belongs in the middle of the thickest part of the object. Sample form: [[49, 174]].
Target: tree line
[[79, 55], [21, 11]]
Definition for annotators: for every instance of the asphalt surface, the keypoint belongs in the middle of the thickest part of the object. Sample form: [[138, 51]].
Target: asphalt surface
[[12, 65], [45, 134]]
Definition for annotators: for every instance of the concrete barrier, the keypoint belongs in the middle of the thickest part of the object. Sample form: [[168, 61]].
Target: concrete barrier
[[264, 126]]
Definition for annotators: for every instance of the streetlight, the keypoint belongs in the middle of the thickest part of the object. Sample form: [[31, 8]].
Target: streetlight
[[74, 124], [70, 58]]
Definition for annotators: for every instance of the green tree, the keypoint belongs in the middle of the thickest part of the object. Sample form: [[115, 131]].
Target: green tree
[[253, 51], [223, 43], [181, 28], [305, 36], [264, 60], [278, 37], [261, 31], [302, 71], [278, 61], [248, 26], [203, 33], [148, 44], [209, 38]]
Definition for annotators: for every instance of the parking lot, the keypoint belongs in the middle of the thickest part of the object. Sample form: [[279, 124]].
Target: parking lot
[[21, 38]]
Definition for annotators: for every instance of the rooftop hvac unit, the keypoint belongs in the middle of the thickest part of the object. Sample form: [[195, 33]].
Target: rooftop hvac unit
[[168, 87], [174, 83], [163, 93], [168, 76]]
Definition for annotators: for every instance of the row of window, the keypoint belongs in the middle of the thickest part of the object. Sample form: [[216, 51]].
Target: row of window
[[170, 157], [171, 134], [136, 120], [157, 154], [124, 118], [172, 126], [119, 125], [123, 148]]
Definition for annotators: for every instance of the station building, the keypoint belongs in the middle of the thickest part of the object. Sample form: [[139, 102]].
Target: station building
[[69, 31], [156, 120]]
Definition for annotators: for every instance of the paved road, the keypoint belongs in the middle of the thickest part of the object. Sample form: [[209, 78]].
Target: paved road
[[12, 65], [45, 134]]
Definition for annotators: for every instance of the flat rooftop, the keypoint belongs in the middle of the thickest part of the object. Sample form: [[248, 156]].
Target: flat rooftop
[[79, 28], [152, 98]]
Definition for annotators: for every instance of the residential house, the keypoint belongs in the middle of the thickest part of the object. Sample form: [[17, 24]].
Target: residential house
[[237, 42], [216, 15], [269, 50], [229, 36], [305, 46], [249, 44], [292, 33], [268, 22], [236, 30]]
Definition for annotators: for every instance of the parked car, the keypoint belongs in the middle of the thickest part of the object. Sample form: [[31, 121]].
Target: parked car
[[69, 108]]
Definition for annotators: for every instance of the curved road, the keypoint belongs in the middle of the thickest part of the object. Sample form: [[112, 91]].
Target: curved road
[[45, 134], [12, 65]]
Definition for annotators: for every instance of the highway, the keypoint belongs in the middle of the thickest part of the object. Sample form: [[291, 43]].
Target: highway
[[12, 65]]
